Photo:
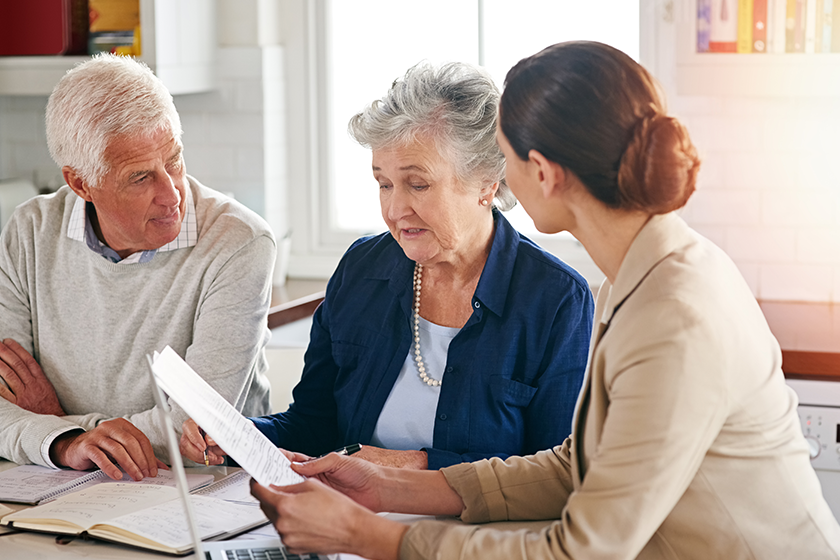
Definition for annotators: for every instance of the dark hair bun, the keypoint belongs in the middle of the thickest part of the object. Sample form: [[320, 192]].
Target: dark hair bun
[[658, 171]]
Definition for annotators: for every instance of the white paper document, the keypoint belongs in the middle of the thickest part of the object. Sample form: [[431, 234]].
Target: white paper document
[[233, 432]]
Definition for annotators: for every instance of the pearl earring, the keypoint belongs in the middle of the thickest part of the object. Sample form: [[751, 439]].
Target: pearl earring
[[485, 202]]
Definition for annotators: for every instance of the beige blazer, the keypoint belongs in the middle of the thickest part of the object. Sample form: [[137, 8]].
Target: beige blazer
[[686, 442]]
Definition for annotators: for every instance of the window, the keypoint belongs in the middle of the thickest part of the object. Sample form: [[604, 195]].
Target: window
[[356, 49]]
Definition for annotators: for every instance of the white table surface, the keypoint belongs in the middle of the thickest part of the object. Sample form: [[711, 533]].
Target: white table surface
[[25, 545]]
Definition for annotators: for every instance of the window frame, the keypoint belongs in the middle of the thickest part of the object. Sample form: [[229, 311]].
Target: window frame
[[317, 245]]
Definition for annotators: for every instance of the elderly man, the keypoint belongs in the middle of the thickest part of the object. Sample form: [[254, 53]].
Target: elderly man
[[130, 256]]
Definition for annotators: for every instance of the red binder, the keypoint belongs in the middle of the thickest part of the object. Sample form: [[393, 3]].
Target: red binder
[[43, 27]]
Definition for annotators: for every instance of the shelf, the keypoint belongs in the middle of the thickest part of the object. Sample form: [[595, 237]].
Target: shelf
[[179, 45], [753, 74]]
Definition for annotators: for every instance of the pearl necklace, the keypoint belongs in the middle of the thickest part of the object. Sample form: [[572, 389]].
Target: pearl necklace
[[421, 367]]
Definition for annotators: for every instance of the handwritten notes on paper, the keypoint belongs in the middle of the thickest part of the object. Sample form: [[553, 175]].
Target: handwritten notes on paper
[[233, 432]]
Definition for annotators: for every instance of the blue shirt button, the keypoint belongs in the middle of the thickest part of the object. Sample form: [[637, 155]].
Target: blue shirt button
[[442, 416], [477, 305], [449, 369]]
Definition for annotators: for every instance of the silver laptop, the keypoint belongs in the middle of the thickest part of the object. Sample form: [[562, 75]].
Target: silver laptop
[[265, 548]]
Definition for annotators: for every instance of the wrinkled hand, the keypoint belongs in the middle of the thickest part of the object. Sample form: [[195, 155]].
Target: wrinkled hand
[[312, 517], [194, 442], [352, 477], [28, 387], [391, 458], [111, 441]]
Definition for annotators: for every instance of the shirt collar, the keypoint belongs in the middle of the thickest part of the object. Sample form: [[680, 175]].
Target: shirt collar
[[81, 229], [493, 286]]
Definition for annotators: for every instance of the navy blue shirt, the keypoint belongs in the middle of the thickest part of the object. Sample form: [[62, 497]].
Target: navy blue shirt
[[512, 374]]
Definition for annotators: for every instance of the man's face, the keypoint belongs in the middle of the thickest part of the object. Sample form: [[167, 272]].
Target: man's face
[[140, 201]]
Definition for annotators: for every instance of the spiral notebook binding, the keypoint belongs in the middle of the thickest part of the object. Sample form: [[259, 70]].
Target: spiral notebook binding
[[56, 493], [224, 483]]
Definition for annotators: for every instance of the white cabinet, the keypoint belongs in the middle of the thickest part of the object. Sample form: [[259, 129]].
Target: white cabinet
[[178, 44], [793, 75]]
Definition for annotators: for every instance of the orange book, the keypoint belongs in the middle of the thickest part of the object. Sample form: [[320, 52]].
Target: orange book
[[759, 30]]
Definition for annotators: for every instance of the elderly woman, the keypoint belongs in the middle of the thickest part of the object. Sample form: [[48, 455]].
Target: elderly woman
[[437, 342], [686, 442]]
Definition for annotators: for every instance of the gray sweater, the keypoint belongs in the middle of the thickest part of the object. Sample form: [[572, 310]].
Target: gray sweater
[[90, 322]]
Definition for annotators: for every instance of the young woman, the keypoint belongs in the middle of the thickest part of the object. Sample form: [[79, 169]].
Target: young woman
[[686, 443]]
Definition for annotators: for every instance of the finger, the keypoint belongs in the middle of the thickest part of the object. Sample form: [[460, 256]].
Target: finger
[[32, 366], [193, 434], [260, 492], [138, 447], [13, 360], [10, 376], [318, 465], [161, 464], [101, 460], [6, 393], [210, 441]]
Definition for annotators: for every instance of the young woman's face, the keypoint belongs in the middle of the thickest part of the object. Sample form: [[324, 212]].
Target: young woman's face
[[522, 179]]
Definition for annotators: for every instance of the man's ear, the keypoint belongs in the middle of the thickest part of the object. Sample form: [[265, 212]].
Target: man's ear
[[550, 175], [75, 182]]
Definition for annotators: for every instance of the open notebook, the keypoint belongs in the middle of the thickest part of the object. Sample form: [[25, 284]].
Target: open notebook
[[33, 484], [151, 517]]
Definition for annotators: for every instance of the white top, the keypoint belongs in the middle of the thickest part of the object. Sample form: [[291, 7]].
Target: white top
[[407, 420]]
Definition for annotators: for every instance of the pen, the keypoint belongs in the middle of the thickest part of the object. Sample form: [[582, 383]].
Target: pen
[[346, 450], [206, 459]]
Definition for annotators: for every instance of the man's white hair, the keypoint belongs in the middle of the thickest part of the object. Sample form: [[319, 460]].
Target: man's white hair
[[99, 100]]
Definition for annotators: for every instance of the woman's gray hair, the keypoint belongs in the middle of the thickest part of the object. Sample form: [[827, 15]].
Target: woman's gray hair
[[456, 104], [98, 100]]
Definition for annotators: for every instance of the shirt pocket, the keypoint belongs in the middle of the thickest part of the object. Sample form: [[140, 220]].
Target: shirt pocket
[[511, 392]]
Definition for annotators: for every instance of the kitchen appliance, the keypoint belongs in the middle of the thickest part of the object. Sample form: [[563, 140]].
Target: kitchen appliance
[[819, 415]]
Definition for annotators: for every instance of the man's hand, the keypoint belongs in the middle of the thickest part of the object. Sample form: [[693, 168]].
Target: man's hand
[[28, 387], [113, 440], [410, 459]]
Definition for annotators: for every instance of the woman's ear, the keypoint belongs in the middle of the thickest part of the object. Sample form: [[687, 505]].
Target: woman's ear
[[75, 182], [489, 191], [550, 175]]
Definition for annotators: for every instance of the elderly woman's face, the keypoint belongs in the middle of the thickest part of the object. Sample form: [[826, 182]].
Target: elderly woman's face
[[432, 215]]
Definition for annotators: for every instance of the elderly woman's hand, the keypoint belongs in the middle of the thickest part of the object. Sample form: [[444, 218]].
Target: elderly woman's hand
[[411, 459]]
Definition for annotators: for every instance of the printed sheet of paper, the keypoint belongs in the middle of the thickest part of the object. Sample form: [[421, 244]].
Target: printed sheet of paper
[[233, 432]]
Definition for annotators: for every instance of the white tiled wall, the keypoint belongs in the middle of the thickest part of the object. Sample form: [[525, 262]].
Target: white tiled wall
[[769, 190], [225, 139]]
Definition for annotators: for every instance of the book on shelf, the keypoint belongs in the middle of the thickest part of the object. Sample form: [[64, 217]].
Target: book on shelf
[[768, 26], [745, 26], [723, 30], [835, 26], [824, 44], [43, 27], [145, 516], [33, 484], [759, 27], [704, 24]]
